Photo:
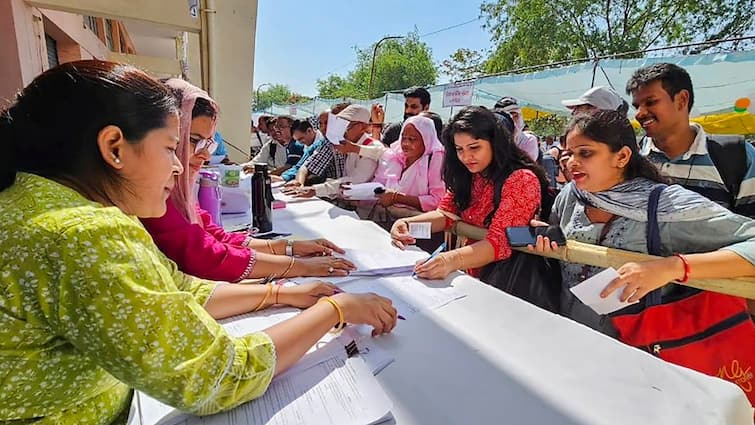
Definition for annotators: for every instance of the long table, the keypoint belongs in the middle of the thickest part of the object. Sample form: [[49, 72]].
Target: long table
[[490, 358]]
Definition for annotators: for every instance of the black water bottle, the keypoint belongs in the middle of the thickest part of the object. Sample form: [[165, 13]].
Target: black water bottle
[[262, 216]]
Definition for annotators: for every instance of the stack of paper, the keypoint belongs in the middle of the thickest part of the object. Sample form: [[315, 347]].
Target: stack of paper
[[386, 262], [325, 387]]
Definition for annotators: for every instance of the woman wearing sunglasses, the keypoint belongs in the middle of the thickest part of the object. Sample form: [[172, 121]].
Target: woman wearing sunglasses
[[200, 247]]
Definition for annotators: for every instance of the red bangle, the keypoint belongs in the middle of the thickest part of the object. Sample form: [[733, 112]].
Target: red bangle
[[685, 279]]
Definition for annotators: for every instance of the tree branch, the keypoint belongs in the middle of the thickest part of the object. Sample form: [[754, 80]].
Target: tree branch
[[608, 22], [670, 18]]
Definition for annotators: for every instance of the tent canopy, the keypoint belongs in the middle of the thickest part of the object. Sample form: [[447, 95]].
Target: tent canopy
[[724, 86]]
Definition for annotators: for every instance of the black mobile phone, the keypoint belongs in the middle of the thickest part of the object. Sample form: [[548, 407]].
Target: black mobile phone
[[527, 235]]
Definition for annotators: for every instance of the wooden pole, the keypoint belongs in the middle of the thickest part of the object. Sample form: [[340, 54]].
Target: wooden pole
[[600, 256]]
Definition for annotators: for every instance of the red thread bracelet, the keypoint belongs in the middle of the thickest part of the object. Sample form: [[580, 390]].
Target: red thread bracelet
[[687, 268]]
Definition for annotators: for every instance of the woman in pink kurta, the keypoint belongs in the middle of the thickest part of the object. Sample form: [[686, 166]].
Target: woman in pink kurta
[[187, 234], [411, 170]]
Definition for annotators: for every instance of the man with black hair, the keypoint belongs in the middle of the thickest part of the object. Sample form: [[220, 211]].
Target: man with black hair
[[303, 132], [723, 171], [282, 152], [416, 100]]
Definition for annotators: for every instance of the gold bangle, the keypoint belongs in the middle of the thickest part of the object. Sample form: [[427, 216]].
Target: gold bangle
[[341, 322], [270, 247], [288, 269], [267, 295]]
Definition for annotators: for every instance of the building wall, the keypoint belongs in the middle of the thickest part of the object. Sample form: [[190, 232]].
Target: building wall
[[23, 51]]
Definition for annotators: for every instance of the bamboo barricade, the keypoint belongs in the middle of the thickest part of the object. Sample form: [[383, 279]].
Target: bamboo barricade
[[600, 256]]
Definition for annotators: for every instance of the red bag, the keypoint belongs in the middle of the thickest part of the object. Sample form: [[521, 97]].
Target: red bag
[[706, 331], [709, 332]]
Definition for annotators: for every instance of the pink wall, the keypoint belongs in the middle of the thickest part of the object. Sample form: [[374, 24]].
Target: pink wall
[[23, 52]]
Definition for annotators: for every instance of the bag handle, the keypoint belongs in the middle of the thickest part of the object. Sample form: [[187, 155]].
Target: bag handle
[[653, 238]]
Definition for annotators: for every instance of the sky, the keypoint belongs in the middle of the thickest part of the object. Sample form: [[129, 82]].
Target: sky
[[299, 42]]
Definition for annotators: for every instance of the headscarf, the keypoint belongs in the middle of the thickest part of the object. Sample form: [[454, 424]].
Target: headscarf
[[391, 169], [183, 196], [630, 199]]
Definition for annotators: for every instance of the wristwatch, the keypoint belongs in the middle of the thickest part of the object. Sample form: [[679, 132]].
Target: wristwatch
[[290, 247]]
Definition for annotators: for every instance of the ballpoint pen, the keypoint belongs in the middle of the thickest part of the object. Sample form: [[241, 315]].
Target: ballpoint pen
[[435, 253]]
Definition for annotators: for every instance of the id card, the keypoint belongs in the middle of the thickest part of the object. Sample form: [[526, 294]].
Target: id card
[[420, 230]]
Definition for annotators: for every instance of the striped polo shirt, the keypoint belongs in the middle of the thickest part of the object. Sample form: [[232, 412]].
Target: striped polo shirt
[[695, 170]]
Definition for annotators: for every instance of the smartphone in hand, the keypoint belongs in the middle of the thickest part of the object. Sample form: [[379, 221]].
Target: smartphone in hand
[[522, 236]]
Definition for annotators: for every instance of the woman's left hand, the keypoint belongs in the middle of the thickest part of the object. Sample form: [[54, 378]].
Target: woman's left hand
[[639, 279], [437, 268], [387, 198], [316, 247], [306, 294]]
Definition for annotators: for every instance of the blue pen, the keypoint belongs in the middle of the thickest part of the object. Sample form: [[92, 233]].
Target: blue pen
[[435, 253]]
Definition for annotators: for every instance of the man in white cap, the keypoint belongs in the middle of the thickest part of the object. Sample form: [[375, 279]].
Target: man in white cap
[[597, 98], [362, 154]]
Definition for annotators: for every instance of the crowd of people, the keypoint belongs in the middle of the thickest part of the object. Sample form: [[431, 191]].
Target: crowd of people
[[118, 276]]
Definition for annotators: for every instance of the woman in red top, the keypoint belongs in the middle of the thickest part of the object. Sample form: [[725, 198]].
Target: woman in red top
[[187, 235], [485, 153]]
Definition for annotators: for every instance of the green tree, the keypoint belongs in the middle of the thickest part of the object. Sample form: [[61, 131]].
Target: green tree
[[277, 93], [398, 64], [463, 64], [533, 32]]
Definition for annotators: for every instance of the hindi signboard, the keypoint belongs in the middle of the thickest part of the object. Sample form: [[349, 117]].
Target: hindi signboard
[[458, 94]]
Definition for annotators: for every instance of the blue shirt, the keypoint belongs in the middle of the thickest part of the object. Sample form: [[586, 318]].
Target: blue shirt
[[220, 150], [290, 174]]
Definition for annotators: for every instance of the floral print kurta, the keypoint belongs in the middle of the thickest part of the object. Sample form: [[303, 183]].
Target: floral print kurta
[[89, 308]]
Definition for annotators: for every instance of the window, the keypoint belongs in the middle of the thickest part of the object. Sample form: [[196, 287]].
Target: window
[[52, 51], [91, 23], [109, 34]]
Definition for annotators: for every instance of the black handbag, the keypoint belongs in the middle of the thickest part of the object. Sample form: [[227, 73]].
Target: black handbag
[[530, 277]]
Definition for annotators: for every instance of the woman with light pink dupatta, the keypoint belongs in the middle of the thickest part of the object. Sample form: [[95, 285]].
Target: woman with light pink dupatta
[[411, 170], [200, 247]]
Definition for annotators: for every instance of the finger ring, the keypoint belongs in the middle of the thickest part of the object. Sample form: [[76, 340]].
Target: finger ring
[[324, 253], [330, 270]]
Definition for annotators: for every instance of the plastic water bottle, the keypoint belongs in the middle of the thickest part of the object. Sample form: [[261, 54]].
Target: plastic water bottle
[[262, 216], [209, 195]]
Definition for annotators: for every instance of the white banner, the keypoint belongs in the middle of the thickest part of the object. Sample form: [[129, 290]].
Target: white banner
[[459, 94]]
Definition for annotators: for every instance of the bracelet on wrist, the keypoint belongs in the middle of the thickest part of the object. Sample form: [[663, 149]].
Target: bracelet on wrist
[[687, 268], [341, 322], [267, 295]]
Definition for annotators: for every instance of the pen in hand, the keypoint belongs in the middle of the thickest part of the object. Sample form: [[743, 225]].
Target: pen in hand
[[435, 253]]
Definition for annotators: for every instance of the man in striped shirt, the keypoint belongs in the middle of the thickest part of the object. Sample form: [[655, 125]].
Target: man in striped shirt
[[663, 96]]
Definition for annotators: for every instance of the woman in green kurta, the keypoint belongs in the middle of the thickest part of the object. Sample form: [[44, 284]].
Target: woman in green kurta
[[89, 307]]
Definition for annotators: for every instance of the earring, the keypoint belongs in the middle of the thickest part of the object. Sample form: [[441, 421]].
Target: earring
[[116, 159]]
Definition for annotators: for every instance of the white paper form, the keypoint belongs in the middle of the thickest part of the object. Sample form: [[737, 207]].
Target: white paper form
[[362, 191], [381, 262], [409, 295], [423, 294], [589, 292], [336, 129], [325, 387]]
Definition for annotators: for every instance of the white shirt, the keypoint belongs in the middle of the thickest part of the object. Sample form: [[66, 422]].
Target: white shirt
[[358, 168]]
